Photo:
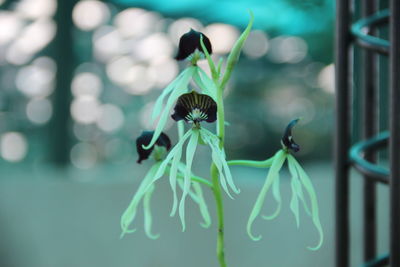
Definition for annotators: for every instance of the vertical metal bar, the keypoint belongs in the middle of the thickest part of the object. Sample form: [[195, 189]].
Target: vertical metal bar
[[63, 55], [369, 126], [394, 125], [342, 136]]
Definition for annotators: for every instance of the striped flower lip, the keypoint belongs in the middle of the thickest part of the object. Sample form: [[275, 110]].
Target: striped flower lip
[[144, 139], [190, 42], [194, 108], [287, 139]]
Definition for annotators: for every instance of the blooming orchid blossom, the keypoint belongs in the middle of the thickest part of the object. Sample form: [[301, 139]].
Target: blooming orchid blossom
[[300, 181], [195, 108], [189, 46], [147, 186]]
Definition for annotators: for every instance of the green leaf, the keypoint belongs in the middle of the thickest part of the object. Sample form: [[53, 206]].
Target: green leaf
[[129, 214], [179, 90], [235, 52], [306, 181], [190, 150], [273, 174], [147, 214]]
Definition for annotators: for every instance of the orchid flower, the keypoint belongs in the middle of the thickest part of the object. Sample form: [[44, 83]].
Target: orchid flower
[[300, 181], [147, 185], [189, 48], [194, 108]]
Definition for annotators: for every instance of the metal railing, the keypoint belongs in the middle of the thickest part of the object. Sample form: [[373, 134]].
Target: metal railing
[[362, 156]]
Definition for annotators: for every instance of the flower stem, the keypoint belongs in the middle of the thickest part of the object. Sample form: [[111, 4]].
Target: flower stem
[[252, 163], [220, 215]]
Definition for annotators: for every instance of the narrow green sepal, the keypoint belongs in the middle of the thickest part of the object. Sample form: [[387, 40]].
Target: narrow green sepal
[[273, 174], [130, 213], [190, 150], [180, 89], [306, 182], [147, 214], [294, 202], [277, 195]]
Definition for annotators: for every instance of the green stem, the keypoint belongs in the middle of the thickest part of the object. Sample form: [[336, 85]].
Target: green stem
[[252, 163], [220, 215]]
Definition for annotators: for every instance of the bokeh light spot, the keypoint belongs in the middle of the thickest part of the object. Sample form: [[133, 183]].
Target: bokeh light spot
[[111, 118], [83, 155], [222, 37], [39, 111], [13, 146], [90, 14], [256, 45]]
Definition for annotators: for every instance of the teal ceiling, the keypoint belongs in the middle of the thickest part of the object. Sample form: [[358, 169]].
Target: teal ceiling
[[283, 16]]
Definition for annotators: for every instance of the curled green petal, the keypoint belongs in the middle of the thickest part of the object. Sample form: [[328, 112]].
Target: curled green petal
[[190, 150], [220, 154], [277, 195], [147, 214], [129, 214], [273, 173], [306, 181], [159, 102], [294, 202], [235, 52], [198, 198], [202, 205], [180, 89]]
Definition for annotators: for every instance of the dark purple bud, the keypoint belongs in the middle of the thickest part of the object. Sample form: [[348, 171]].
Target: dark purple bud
[[144, 139], [189, 42], [287, 139]]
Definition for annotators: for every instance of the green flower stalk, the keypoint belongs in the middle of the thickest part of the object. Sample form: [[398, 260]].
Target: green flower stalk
[[194, 107]]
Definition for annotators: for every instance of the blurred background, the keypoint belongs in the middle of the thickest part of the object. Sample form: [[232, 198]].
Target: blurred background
[[78, 80]]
